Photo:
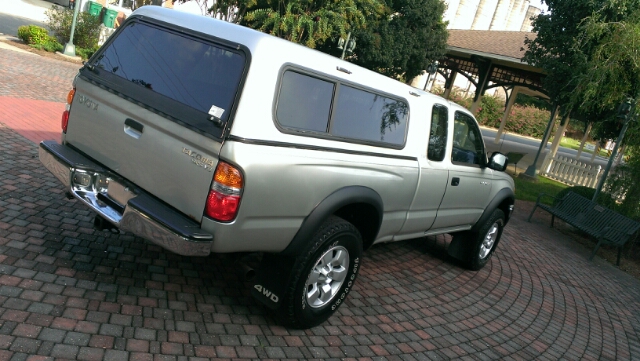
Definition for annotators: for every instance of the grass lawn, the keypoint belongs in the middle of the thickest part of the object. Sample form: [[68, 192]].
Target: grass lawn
[[528, 190], [575, 144]]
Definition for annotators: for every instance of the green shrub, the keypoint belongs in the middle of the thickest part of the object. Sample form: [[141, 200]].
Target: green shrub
[[33, 35], [623, 182], [529, 121], [524, 120], [490, 111], [87, 28], [85, 53], [457, 96], [51, 45]]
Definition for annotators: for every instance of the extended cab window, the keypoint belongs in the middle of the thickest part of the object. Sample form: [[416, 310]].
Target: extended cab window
[[309, 103], [468, 147], [438, 133], [185, 77]]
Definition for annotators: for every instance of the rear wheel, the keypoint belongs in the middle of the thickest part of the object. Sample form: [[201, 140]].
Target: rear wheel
[[484, 241], [322, 275]]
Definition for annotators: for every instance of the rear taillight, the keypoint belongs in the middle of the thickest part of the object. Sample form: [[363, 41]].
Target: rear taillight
[[65, 121], [65, 114], [224, 197]]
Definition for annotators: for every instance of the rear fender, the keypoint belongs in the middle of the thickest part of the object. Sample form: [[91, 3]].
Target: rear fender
[[329, 206], [273, 275]]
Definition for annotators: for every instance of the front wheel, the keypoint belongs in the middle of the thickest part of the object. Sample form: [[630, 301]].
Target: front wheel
[[322, 275], [484, 242]]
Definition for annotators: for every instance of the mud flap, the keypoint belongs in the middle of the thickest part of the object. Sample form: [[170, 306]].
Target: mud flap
[[459, 246], [272, 279]]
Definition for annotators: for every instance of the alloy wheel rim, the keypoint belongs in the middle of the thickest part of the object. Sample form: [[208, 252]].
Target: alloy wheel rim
[[327, 276], [489, 240]]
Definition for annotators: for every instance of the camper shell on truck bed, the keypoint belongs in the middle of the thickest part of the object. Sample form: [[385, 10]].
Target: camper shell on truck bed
[[204, 136]]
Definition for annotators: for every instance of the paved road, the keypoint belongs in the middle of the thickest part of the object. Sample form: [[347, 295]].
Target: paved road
[[9, 24], [70, 292], [529, 146]]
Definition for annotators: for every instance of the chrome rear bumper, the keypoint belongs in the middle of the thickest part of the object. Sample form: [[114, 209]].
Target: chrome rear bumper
[[123, 205]]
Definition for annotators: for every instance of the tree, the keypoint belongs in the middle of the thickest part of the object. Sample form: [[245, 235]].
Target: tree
[[613, 74], [307, 22], [572, 40], [403, 40], [227, 10], [398, 38], [551, 49], [310, 22], [614, 67]]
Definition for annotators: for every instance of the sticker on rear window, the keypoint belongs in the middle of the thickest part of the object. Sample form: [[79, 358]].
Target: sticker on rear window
[[215, 111]]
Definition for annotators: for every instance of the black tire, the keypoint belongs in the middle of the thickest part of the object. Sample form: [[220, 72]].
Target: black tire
[[484, 241], [304, 306]]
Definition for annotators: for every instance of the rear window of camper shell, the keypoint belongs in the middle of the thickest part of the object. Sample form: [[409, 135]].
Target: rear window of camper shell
[[186, 77]]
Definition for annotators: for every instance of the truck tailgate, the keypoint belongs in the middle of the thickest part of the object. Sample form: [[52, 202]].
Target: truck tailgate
[[166, 159], [152, 105]]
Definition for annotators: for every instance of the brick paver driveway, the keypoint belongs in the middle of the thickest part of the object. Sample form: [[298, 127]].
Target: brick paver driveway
[[68, 291]]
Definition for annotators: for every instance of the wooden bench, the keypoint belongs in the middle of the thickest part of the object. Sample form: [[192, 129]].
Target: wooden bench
[[607, 226]]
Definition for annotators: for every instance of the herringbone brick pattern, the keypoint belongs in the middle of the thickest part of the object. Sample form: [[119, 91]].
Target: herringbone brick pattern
[[70, 292]]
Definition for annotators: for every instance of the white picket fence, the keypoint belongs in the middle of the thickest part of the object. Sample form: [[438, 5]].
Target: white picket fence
[[571, 171]]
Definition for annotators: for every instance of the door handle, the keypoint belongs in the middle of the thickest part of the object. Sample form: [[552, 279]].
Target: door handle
[[455, 181], [133, 128]]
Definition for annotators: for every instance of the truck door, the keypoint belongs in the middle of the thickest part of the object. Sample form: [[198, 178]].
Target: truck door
[[434, 174], [469, 184]]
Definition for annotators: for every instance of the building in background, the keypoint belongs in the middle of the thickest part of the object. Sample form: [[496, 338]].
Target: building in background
[[509, 15], [474, 19]]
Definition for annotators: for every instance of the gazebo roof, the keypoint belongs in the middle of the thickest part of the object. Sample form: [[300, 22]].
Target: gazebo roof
[[491, 59], [508, 44]]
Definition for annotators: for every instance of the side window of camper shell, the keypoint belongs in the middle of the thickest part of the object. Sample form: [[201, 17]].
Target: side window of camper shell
[[316, 106]]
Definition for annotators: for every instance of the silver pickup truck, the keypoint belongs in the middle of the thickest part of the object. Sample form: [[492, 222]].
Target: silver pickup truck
[[203, 136]]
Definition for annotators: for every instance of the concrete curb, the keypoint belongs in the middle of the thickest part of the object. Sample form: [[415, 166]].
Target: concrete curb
[[4, 39]]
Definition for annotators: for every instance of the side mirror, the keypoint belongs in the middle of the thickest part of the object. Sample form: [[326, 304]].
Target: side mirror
[[498, 161]]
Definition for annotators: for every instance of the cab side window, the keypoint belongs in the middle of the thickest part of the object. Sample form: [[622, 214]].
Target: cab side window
[[438, 133], [468, 147]]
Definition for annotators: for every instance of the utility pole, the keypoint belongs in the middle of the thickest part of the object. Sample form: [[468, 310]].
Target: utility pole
[[431, 70], [69, 48], [346, 45]]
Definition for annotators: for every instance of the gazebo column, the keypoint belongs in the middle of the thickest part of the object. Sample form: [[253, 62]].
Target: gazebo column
[[557, 138], [532, 170], [448, 84], [584, 140], [505, 116], [484, 72]]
